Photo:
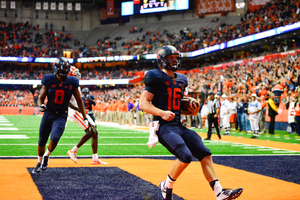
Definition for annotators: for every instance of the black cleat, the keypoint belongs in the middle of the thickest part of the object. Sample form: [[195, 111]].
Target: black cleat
[[166, 193], [37, 169], [207, 139], [254, 137], [45, 162], [228, 194]]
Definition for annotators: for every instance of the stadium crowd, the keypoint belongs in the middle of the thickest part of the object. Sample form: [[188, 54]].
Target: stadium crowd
[[19, 40], [24, 39], [279, 75], [274, 14]]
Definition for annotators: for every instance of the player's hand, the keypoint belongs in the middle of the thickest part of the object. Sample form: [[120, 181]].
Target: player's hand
[[86, 122], [168, 115], [42, 108], [194, 107]]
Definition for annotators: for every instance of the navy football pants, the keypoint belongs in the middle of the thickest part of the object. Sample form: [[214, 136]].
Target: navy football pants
[[182, 142], [54, 124]]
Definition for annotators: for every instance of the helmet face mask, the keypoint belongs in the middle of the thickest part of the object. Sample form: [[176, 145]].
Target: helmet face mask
[[61, 67], [168, 57], [85, 91]]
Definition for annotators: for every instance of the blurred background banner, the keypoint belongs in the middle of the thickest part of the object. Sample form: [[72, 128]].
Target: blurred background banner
[[217, 6], [256, 4], [110, 7]]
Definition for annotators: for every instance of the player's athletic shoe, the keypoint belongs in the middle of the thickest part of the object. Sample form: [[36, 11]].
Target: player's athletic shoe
[[45, 162], [166, 193], [73, 156], [37, 168], [228, 194], [98, 162]]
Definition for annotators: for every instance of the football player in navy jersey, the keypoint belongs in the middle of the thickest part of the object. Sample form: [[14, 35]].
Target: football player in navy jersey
[[89, 102], [161, 98], [58, 88]]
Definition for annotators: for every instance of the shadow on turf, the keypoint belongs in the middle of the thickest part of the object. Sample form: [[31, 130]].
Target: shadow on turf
[[94, 183]]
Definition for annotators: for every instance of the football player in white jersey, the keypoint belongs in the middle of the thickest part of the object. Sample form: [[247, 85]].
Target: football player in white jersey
[[254, 109], [86, 124], [225, 114]]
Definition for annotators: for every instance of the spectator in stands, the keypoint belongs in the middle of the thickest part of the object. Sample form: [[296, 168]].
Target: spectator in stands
[[262, 121], [290, 105], [198, 118], [131, 111], [297, 114], [273, 111], [240, 113], [233, 113], [245, 114], [277, 91], [20, 108]]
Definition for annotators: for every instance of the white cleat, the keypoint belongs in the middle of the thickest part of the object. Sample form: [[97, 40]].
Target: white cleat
[[73, 156], [98, 162], [228, 194]]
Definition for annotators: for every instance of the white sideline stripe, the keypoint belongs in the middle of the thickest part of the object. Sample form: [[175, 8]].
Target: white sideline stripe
[[9, 129], [13, 137], [281, 151], [126, 156], [118, 144], [255, 147], [266, 149], [6, 124], [98, 137]]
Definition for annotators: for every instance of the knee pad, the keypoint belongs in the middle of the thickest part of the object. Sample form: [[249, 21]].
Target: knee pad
[[203, 154], [42, 142], [183, 154], [55, 139]]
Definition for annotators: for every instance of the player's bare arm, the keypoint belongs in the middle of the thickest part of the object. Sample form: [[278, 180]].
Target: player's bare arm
[[147, 106], [42, 96], [79, 102], [74, 107]]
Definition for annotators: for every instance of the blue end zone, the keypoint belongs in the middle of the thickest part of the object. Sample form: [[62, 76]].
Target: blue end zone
[[94, 183], [286, 168]]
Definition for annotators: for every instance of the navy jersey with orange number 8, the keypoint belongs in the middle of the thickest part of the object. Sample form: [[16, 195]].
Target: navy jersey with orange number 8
[[168, 91], [59, 94]]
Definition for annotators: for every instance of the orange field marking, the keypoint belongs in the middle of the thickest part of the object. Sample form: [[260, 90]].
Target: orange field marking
[[16, 182]]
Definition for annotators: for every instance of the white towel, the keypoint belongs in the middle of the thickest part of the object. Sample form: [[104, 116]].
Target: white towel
[[153, 139]]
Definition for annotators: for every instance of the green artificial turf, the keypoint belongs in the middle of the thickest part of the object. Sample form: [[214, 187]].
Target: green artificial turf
[[118, 141]]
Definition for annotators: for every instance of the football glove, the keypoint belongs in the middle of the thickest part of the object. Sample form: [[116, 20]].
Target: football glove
[[86, 121], [42, 108]]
